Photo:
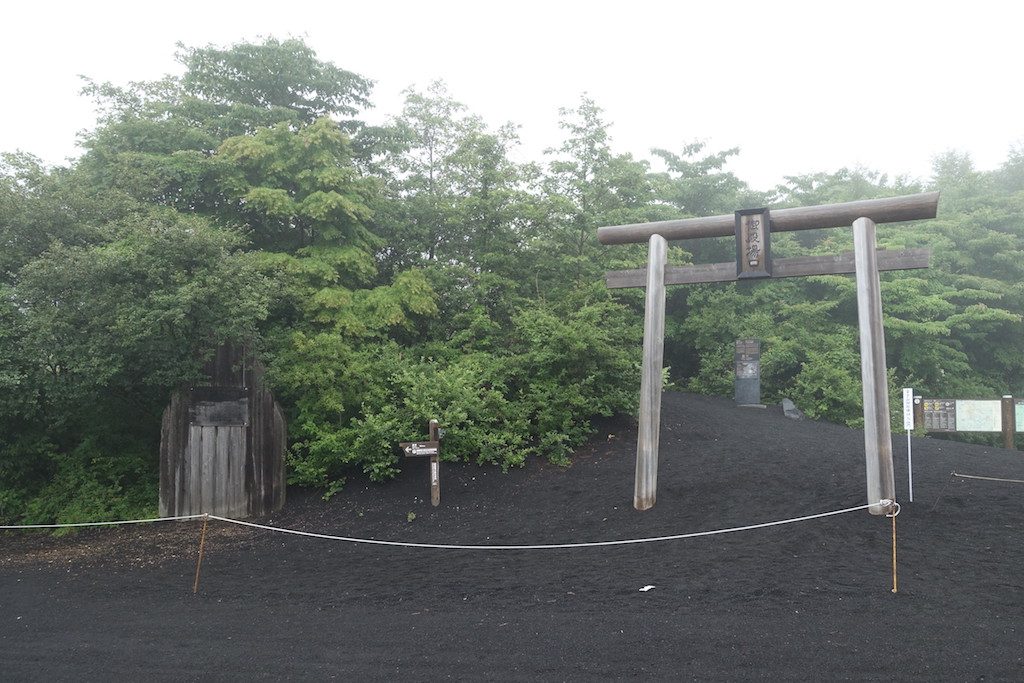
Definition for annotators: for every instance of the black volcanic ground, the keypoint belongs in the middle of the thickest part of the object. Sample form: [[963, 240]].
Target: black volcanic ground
[[808, 601]]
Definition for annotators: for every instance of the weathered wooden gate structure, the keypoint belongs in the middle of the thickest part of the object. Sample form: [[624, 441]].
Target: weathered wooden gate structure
[[752, 229], [222, 443]]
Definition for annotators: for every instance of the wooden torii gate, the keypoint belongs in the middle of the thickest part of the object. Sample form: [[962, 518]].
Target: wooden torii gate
[[752, 229]]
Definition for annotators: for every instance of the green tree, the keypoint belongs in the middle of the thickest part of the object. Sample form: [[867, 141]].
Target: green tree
[[490, 361], [295, 189], [586, 186], [257, 85], [698, 185], [103, 332], [156, 140], [453, 195]]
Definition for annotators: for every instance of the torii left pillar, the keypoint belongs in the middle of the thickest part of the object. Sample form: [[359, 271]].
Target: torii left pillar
[[646, 484]]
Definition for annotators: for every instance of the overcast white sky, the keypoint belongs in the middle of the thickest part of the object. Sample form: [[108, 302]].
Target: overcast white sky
[[798, 86]]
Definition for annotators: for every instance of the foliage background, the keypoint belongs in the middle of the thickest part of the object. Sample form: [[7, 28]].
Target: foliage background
[[392, 274]]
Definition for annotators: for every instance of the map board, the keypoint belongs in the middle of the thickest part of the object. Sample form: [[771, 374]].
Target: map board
[[979, 416]]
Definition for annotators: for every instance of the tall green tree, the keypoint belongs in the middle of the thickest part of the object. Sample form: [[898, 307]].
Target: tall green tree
[[586, 186], [100, 333]]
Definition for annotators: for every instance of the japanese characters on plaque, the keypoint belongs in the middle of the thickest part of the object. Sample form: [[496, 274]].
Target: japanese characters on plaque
[[939, 415], [748, 372], [748, 358], [753, 237]]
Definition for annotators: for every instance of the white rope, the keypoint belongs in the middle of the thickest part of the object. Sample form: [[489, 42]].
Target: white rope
[[453, 546], [80, 524], [973, 476], [544, 546]]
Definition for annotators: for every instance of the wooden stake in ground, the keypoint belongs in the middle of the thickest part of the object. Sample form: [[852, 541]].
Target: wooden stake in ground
[[1009, 422], [894, 587], [199, 560]]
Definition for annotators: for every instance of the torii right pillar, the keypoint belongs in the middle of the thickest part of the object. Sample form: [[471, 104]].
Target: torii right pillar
[[881, 486]]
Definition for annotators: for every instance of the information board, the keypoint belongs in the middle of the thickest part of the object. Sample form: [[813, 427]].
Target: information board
[[979, 416], [748, 358], [1018, 410], [939, 415]]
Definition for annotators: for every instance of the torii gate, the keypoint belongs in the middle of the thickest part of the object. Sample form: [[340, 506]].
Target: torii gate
[[752, 229]]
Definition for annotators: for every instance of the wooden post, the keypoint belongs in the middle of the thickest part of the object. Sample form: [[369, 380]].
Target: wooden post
[[199, 559], [1009, 422], [918, 412], [435, 466], [646, 485], [877, 433]]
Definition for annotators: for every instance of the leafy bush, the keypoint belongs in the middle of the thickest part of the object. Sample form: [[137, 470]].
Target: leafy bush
[[100, 479], [536, 396]]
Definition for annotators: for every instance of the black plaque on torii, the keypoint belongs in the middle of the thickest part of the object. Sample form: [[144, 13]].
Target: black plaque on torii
[[753, 244]]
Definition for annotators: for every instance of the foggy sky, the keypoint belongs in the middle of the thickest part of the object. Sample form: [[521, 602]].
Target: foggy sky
[[799, 87]]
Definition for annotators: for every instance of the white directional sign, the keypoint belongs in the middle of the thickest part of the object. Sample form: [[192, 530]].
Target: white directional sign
[[421, 448]]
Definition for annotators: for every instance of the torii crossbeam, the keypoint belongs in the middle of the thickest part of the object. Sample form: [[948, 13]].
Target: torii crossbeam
[[752, 229]]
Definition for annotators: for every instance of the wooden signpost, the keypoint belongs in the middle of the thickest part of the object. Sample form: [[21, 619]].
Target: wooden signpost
[[431, 449], [752, 229]]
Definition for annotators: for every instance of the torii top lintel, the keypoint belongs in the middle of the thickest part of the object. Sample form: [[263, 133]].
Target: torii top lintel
[[910, 207]]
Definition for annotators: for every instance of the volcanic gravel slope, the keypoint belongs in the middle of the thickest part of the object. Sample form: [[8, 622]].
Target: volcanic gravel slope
[[807, 601]]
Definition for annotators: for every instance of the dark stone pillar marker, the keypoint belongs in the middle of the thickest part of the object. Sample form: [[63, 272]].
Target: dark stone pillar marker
[[747, 361]]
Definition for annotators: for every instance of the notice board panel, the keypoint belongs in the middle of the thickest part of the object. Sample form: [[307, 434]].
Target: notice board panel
[[979, 416]]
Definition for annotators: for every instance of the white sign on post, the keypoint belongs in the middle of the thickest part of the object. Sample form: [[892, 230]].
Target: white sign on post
[[908, 410], [908, 424]]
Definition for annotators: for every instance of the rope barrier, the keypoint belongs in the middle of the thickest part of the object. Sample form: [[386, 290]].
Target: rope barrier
[[542, 546], [452, 546], [114, 523], [941, 492], [974, 476]]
